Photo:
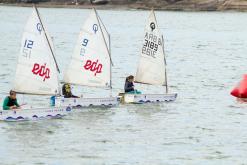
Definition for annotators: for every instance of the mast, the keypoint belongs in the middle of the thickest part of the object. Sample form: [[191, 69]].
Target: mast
[[163, 48], [108, 50], [109, 54], [110, 66], [97, 16], [47, 38]]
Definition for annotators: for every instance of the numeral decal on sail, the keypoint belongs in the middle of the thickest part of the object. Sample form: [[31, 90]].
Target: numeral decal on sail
[[151, 45], [28, 45], [93, 66], [41, 71], [82, 52], [85, 42]]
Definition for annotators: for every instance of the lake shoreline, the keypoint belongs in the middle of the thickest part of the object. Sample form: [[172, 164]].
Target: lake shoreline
[[223, 6]]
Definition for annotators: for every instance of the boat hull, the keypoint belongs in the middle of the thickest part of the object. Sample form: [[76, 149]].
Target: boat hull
[[146, 98], [100, 2], [34, 113], [88, 102]]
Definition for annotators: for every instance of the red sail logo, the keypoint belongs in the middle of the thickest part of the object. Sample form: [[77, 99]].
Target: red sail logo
[[93, 66], [41, 70]]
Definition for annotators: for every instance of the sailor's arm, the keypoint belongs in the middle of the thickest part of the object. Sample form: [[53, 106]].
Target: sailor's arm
[[16, 104], [5, 104]]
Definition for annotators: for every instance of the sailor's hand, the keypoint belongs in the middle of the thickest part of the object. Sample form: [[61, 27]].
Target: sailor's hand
[[13, 107]]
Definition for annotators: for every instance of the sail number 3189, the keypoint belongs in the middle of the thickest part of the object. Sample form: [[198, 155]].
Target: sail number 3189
[[150, 48]]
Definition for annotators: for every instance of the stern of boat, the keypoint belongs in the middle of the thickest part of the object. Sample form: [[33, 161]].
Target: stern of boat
[[146, 98]]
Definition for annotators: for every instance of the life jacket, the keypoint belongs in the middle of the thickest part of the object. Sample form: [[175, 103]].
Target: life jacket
[[240, 91], [11, 102], [128, 87]]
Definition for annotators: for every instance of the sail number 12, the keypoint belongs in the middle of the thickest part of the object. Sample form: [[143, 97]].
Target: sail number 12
[[28, 45]]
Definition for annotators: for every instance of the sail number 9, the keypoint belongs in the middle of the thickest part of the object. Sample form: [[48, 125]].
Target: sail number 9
[[84, 44], [28, 45]]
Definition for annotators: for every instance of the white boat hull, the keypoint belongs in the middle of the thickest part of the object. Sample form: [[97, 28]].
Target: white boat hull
[[100, 2], [34, 113], [88, 102], [147, 98]]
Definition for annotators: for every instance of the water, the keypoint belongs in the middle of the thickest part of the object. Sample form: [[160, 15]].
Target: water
[[206, 55]]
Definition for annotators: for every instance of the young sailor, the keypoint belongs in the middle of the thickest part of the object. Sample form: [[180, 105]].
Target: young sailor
[[129, 85], [10, 102], [66, 90]]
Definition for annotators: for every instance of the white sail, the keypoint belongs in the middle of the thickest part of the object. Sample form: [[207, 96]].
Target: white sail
[[151, 68], [90, 62], [36, 71]]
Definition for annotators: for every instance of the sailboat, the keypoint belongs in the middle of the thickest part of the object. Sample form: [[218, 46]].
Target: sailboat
[[36, 72], [91, 64], [152, 66]]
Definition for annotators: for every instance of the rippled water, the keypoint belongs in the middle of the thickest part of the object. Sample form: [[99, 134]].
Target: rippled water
[[206, 55]]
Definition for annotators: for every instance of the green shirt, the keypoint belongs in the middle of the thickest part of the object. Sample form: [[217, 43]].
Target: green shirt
[[6, 102]]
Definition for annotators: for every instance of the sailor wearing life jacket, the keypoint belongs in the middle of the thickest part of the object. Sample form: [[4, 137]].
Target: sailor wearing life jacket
[[10, 102], [66, 91]]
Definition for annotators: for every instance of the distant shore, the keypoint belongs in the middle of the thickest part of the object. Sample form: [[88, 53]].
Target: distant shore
[[52, 5], [179, 5]]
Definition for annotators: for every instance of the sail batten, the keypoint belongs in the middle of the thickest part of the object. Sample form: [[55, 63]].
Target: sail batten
[[90, 62], [36, 71], [151, 68]]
